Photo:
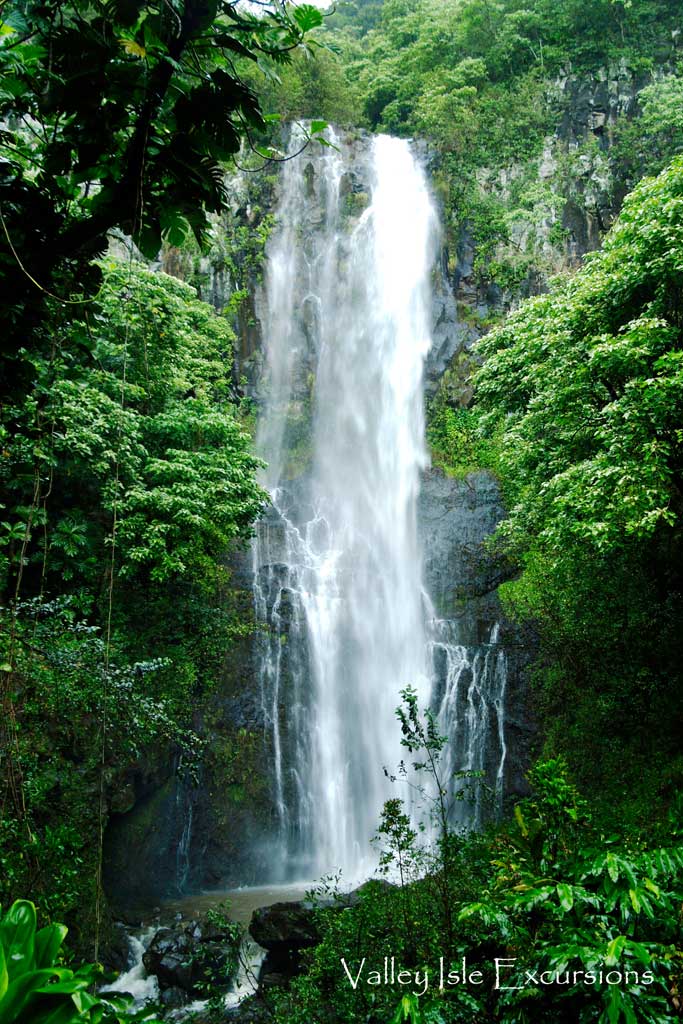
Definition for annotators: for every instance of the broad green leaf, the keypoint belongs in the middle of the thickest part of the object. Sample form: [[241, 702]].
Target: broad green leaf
[[48, 943], [566, 896], [307, 17], [176, 228], [640, 952], [519, 817], [613, 1006], [64, 1013], [84, 1001], [17, 935], [4, 976], [133, 48], [19, 991], [408, 1010], [614, 950]]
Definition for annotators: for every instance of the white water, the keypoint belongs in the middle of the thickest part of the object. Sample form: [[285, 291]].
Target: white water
[[135, 981], [144, 988], [351, 299], [471, 713], [337, 562], [242, 903]]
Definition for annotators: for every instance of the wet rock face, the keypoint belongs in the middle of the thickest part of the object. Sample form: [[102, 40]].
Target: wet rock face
[[577, 166], [116, 949], [450, 336], [594, 104], [456, 516], [140, 861]]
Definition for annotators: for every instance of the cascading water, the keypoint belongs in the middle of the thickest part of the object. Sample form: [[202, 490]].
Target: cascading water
[[337, 561], [469, 701]]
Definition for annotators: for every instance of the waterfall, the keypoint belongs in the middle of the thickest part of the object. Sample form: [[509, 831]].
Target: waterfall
[[337, 563], [470, 710]]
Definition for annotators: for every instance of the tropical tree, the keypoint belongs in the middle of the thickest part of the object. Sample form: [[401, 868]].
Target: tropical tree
[[120, 114]]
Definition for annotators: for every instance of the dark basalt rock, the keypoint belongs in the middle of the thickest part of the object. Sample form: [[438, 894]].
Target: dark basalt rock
[[285, 927], [174, 998], [183, 957], [253, 1010], [456, 516], [168, 957]]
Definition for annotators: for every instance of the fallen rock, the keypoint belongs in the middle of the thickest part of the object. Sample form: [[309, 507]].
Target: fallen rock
[[285, 927], [191, 956], [174, 998], [168, 957]]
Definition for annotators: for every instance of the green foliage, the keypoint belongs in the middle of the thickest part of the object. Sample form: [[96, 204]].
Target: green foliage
[[647, 143], [212, 974], [123, 115], [571, 904], [479, 79], [310, 87], [127, 476], [586, 927], [454, 440], [589, 381], [62, 689], [147, 432], [583, 390], [35, 988]]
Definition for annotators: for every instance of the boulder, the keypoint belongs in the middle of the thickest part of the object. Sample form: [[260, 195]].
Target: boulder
[[285, 930], [285, 927], [168, 956], [189, 955], [174, 998]]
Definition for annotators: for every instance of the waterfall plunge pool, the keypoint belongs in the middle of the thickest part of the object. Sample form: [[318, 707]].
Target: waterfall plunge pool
[[241, 904]]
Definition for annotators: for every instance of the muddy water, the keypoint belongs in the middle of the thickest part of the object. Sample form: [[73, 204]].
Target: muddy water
[[241, 902]]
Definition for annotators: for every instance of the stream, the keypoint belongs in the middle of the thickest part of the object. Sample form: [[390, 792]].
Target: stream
[[241, 903]]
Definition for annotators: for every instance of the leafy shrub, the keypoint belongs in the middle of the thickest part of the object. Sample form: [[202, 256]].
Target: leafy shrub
[[587, 926]]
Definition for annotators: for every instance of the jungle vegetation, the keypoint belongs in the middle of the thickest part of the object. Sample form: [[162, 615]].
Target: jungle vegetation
[[128, 476]]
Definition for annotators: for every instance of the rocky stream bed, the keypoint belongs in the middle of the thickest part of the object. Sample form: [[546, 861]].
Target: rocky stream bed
[[233, 944]]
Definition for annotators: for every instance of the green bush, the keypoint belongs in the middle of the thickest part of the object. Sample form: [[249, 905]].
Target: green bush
[[547, 893]]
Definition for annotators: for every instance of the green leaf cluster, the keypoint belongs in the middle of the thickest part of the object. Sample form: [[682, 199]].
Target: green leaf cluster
[[35, 988]]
